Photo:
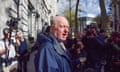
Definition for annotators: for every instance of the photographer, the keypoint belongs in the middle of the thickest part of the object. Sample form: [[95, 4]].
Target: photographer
[[22, 52], [79, 54], [7, 52]]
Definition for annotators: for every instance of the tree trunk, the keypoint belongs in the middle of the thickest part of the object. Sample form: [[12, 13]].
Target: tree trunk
[[76, 13], [104, 18]]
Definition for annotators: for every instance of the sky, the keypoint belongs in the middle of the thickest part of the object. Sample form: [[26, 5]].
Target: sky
[[90, 7]]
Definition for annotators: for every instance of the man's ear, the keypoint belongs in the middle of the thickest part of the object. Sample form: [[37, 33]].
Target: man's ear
[[52, 28]]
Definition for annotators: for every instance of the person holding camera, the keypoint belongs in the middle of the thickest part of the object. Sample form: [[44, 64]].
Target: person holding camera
[[22, 52], [79, 54], [7, 53]]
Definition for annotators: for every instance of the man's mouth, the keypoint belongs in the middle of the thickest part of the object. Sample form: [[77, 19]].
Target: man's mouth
[[65, 34]]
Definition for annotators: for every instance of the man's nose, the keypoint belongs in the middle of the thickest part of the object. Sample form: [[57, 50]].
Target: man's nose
[[66, 30]]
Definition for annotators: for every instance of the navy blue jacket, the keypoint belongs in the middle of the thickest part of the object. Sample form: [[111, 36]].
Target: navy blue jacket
[[52, 57], [23, 47]]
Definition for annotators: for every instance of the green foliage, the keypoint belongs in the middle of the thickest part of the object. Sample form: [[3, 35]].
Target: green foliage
[[98, 19], [72, 18]]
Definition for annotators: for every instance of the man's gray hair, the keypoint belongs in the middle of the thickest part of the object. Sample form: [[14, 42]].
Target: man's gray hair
[[52, 20]]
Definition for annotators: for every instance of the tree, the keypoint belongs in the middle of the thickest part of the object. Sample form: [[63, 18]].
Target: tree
[[98, 21], [104, 18], [76, 13], [67, 15], [72, 18]]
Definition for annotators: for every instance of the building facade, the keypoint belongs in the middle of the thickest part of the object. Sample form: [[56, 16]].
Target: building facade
[[84, 21], [31, 15], [115, 7]]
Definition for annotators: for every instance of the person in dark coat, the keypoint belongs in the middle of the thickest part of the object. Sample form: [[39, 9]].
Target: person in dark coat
[[41, 39], [94, 52], [53, 56], [23, 52]]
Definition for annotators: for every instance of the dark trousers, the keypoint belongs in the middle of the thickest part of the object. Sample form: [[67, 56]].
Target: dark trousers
[[1, 68], [0, 64], [22, 63]]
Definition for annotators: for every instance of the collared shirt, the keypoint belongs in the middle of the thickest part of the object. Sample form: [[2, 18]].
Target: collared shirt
[[63, 46]]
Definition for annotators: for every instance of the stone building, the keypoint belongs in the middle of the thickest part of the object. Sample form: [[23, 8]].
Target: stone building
[[31, 15], [115, 7]]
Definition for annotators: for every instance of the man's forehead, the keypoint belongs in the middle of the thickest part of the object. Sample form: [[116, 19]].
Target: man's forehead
[[60, 18]]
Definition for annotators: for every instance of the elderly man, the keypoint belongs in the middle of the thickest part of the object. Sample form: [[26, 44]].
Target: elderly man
[[53, 56]]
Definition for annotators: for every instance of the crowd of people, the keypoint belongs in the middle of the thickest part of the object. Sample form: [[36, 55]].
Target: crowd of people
[[13, 54], [102, 53], [89, 51]]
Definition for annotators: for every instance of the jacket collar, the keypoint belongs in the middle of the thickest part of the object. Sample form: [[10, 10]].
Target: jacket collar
[[58, 47]]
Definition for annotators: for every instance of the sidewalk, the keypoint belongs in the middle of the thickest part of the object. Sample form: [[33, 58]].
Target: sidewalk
[[31, 67]]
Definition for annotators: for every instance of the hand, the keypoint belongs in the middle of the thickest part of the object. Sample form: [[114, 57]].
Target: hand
[[8, 48], [17, 55], [26, 54], [82, 59], [17, 42]]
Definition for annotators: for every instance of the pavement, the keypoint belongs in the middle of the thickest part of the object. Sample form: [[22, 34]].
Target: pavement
[[30, 66]]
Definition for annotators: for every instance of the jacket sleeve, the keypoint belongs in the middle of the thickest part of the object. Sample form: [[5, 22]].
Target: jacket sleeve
[[47, 61]]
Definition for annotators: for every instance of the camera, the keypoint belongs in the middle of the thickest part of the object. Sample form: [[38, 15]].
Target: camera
[[13, 22]]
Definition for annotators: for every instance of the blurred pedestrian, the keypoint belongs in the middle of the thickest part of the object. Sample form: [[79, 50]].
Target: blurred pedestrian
[[22, 52]]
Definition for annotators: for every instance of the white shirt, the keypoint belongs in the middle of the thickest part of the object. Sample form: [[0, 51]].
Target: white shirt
[[12, 52]]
